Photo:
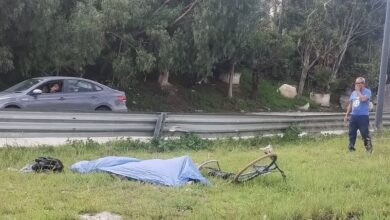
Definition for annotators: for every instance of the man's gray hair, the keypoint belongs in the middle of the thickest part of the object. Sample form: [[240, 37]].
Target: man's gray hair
[[361, 79]]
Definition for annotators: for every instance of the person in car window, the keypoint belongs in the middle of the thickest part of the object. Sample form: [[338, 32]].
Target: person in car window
[[55, 88]]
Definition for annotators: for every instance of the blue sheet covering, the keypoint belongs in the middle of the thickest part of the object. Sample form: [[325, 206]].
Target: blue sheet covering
[[171, 172]]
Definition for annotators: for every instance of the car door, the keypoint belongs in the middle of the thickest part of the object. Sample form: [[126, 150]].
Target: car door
[[47, 101], [81, 95]]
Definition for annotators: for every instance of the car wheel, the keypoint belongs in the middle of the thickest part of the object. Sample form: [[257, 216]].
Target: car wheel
[[103, 108], [12, 107]]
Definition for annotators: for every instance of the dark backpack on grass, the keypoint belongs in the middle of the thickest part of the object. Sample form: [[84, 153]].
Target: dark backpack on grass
[[43, 164]]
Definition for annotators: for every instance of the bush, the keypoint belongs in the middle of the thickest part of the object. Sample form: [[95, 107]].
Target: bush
[[187, 142], [291, 133]]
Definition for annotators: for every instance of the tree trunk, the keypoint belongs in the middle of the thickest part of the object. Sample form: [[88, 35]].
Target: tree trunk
[[231, 75], [163, 80], [305, 69], [306, 66], [281, 16], [340, 58], [274, 13], [302, 81], [255, 83], [304, 51]]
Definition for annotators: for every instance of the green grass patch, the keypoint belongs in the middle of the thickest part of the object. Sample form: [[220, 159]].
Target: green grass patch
[[274, 101], [324, 181], [212, 98]]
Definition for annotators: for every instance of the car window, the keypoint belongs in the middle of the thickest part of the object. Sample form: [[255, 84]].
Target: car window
[[75, 85], [98, 88], [23, 85], [55, 86]]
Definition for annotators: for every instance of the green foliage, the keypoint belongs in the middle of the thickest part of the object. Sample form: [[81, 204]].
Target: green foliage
[[123, 70], [86, 34], [328, 31], [321, 78], [142, 37], [222, 30], [127, 144], [185, 142], [272, 55], [145, 61], [274, 101], [292, 133], [6, 57], [6, 19], [363, 61], [81, 146], [47, 39]]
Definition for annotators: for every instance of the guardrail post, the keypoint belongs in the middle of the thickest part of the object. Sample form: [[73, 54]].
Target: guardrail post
[[160, 121]]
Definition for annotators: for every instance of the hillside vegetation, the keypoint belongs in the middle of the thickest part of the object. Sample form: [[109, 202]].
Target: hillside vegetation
[[212, 98], [154, 49]]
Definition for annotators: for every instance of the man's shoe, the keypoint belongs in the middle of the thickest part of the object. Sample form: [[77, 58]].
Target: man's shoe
[[369, 147], [351, 149]]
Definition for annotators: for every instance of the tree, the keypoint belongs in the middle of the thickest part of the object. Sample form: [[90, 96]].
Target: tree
[[73, 40], [222, 29], [314, 41], [348, 20], [45, 38], [269, 54], [329, 28], [6, 20], [142, 36]]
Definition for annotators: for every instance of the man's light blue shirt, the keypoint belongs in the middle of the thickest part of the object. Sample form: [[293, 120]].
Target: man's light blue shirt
[[360, 107]]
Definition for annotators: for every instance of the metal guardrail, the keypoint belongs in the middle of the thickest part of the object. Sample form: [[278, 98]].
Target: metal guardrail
[[257, 123], [18, 124]]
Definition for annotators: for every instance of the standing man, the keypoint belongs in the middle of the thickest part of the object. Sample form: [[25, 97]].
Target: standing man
[[358, 106]]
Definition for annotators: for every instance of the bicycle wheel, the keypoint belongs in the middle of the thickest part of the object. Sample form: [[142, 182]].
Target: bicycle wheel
[[206, 164], [212, 168], [260, 166]]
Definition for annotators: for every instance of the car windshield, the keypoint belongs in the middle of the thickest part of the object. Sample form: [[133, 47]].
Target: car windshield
[[23, 85]]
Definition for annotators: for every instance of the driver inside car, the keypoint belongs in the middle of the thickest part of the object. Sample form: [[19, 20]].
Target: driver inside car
[[55, 88]]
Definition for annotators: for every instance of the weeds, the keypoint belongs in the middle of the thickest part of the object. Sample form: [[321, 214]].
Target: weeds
[[292, 133], [185, 142]]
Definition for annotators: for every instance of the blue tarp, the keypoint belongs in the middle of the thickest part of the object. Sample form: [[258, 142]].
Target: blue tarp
[[171, 172]]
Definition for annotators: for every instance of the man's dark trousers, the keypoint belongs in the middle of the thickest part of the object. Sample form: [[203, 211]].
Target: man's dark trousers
[[360, 122]]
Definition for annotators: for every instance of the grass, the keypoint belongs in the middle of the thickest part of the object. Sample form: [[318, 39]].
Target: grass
[[276, 102], [324, 181], [212, 98]]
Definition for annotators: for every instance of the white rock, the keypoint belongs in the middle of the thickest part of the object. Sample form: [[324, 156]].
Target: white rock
[[319, 98], [304, 107], [288, 91], [225, 78]]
